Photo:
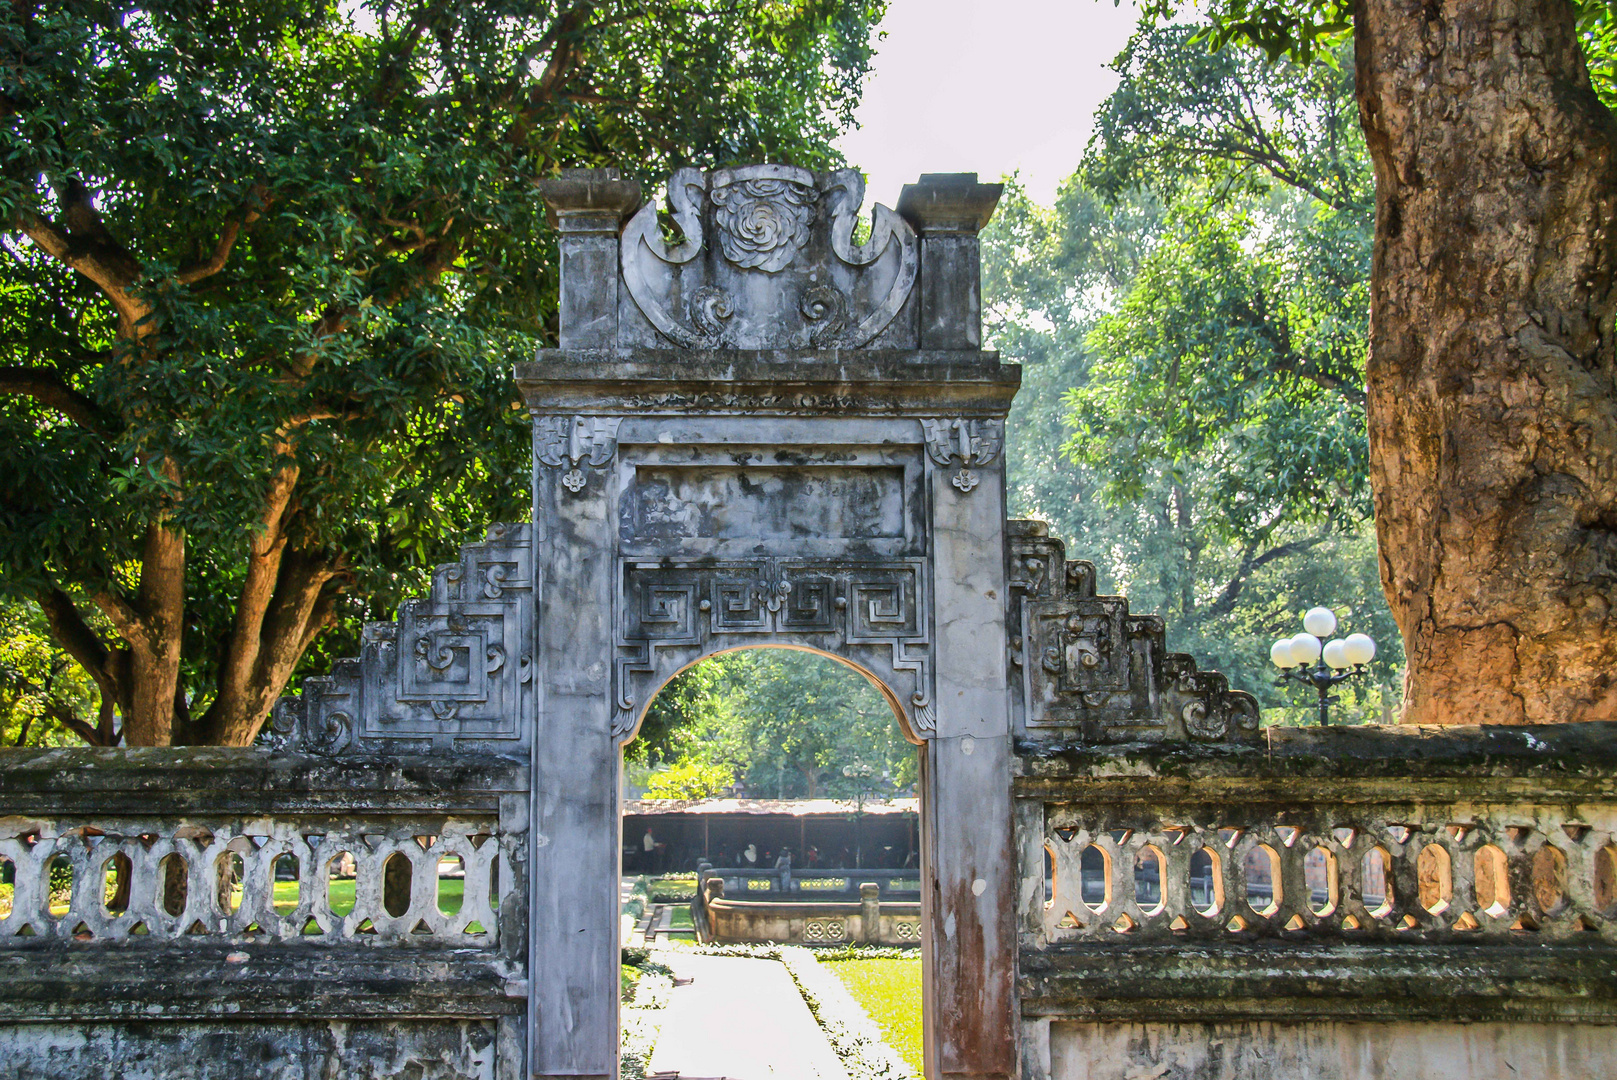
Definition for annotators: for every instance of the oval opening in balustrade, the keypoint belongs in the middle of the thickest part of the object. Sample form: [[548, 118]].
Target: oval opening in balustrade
[[115, 877], [1606, 879], [1049, 876], [1376, 886], [1095, 878], [1434, 876], [1261, 869], [451, 885], [1491, 880], [397, 872], [173, 884], [1319, 874], [1549, 879], [228, 869], [8, 886], [59, 883], [1206, 883], [288, 883], [1149, 873], [340, 884]]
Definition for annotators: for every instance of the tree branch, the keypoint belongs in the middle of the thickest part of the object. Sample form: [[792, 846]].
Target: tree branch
[[251, 211], [46, 386], [78, 640], [1251, 564]]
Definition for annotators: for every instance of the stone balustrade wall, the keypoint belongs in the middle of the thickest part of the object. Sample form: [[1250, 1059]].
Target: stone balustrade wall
[[1321, 899], [158, 933]]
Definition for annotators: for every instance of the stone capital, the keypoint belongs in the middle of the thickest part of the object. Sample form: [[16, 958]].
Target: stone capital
[[589, 200], [941, 204]]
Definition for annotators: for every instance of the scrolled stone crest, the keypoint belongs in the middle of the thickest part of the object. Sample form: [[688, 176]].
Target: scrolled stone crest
[[764, 258], [763, 214]]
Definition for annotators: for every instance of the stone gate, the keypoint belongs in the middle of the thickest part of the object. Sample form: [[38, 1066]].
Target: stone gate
[[769, 422]]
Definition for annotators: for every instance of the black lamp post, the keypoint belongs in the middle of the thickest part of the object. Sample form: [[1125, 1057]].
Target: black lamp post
[[1333, 662]]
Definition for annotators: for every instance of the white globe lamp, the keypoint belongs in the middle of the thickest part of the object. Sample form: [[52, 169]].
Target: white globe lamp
[[1305, 648], [1320, 621], [1359, 648]]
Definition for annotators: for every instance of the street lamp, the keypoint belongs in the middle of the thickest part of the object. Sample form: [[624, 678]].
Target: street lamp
[[1335, 661]]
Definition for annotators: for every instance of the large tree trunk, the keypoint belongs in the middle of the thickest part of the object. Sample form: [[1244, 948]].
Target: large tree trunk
[[1492, 408]]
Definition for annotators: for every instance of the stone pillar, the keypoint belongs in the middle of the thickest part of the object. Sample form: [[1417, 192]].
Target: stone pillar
[[947, 210], [870, 912], [573, 1002], [588, 208], [969, 893]]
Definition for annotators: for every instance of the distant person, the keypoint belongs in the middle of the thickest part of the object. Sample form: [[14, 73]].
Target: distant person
[[783, 869], [749, 855], [811, 858]]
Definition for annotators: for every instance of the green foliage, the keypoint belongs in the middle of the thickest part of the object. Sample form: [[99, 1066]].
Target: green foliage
[[42, 691], [690, 779], [785, 723], [1313, 31], [268, 265], [1192, 321]]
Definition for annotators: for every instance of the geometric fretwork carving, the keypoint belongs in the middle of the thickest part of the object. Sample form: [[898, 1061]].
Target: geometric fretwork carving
[[876, 614], [454, 667], [1090, 669]]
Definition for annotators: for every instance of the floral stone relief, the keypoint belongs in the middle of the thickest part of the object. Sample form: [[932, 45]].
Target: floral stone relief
[[766, 260]]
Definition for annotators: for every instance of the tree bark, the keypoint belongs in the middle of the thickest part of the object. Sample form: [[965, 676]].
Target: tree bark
[[1492, 406]]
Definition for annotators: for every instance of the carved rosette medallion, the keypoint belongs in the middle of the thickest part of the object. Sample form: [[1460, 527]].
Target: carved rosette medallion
[[970, 442], [763, 222], [766, 260], [571, 442]]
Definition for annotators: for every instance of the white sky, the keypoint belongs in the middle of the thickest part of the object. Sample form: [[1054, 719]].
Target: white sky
[[985, 86]]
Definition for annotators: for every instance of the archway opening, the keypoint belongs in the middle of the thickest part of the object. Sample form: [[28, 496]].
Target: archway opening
[[771, 797]]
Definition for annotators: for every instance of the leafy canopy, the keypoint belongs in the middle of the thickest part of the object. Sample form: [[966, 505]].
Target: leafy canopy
[[782, 722], [1191, 317], [1313, 30], [267, 267]]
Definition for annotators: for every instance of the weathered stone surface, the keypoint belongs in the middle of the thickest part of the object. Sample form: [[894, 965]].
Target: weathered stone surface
[[397, 1049], [454, 671], [163, 982], [1393, 1050], [1089, 669], [1403, 881]]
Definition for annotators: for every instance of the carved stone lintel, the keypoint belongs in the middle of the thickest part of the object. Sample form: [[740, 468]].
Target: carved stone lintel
[[876, 614]]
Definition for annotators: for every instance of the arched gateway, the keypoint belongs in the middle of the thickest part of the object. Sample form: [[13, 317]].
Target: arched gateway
[[757, 431], [760, 432]]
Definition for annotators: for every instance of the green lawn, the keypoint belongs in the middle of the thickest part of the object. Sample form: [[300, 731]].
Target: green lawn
[[890, 991]]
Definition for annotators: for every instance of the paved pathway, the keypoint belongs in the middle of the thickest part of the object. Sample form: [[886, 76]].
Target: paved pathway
[[742, 1019]]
